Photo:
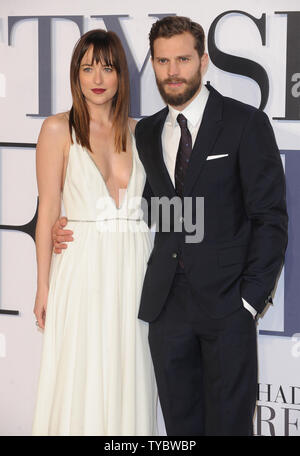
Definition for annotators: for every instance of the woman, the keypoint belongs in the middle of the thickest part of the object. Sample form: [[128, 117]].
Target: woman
[[96, 373]]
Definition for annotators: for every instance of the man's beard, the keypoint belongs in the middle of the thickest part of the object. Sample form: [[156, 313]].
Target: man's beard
[[179, 99]]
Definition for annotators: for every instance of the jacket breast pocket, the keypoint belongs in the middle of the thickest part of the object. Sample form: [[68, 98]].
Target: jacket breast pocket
[[219, 165]]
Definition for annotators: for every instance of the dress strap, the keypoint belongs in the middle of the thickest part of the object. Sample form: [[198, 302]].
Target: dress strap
[[130, 130]]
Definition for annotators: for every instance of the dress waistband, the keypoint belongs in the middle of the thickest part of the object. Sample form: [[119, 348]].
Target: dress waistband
[[106, 220]]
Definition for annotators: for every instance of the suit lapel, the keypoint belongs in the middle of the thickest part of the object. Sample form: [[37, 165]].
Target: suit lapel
[[159, 175], [208, 133]]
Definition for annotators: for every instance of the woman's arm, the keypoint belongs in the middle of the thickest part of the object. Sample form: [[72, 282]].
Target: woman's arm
[[50, 149]]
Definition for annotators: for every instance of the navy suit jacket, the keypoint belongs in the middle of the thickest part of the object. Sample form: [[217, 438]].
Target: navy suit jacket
[[245, 216]]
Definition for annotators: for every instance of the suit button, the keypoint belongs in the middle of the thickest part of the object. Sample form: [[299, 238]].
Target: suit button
[[269, 300], [174, 255]]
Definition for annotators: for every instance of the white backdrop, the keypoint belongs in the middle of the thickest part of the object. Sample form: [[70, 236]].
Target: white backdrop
[[236, 34]]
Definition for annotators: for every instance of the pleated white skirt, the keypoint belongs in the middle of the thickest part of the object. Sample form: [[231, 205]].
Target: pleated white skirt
[[96, 374]]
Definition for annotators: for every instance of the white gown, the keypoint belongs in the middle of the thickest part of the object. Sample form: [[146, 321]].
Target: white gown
[[96, 374]]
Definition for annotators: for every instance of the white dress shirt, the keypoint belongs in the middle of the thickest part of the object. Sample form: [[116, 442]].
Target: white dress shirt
[[171, 132], [171, 136]]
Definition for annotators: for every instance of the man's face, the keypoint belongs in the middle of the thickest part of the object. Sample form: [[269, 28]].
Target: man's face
[[178, 69]]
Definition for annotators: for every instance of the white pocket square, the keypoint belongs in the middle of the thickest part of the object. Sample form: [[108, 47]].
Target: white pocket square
[[213, 157]]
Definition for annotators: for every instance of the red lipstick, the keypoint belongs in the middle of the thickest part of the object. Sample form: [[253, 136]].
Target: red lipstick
[[98, 91]]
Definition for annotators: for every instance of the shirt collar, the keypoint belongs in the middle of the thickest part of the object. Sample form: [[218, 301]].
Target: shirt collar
[[193, 112]]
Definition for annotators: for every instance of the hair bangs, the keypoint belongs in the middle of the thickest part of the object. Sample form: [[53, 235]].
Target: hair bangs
[[103, 51]]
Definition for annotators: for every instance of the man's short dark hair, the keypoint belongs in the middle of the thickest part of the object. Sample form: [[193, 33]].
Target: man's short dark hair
[[176, 25]]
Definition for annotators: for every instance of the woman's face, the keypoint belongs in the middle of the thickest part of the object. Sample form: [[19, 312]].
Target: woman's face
[[99, 83]]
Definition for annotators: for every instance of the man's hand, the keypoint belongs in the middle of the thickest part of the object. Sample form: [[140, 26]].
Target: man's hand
[[60, 235]]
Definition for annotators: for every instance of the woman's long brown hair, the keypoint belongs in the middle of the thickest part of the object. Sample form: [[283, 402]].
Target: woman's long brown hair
[[108, 50]]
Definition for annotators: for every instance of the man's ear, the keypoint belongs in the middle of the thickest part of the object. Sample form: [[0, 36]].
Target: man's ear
[[204, 63]]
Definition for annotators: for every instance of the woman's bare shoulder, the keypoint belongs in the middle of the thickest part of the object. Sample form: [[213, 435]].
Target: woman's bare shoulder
[[56, 129], [58, 123], [132, 124]]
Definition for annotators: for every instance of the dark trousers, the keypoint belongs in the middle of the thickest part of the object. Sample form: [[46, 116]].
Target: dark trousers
[[206, 369]]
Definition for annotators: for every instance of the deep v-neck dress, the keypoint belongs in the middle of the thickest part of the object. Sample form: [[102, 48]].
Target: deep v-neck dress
[[96, 375]]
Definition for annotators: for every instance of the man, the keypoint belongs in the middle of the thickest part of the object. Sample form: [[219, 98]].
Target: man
[[202, 299]]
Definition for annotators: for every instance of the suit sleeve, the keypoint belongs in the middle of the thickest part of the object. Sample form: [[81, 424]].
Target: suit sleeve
[[263, 185]]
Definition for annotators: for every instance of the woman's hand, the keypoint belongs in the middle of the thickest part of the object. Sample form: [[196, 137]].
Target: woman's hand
[[41, 307]]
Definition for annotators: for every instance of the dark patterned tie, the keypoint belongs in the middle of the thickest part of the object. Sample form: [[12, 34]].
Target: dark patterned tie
[[183, 154], [182, 162]]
